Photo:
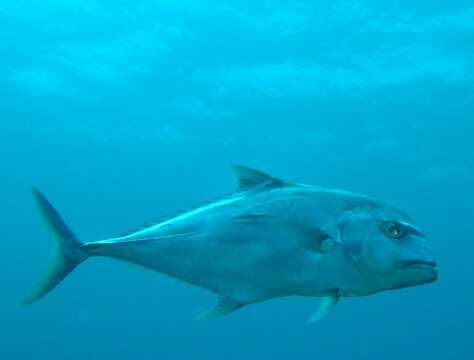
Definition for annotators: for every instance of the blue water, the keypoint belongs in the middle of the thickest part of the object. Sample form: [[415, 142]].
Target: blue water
[[125, 111]]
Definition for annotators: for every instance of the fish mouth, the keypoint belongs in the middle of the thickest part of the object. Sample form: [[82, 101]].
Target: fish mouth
[[418, 263], [427, 266]]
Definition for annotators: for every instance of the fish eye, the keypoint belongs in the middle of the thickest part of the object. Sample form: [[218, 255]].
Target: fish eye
[[393, 229]]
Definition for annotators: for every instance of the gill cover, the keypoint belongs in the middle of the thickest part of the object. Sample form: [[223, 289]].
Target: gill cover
[[353, 232]]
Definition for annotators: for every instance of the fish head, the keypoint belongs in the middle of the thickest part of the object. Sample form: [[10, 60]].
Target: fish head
[[388, 249]]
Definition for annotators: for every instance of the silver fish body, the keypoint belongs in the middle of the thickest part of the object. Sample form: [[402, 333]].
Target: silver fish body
[[270, 239]]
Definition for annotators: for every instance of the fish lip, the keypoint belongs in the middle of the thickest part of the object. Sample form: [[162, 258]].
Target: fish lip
[[427, 266], [419, 263]]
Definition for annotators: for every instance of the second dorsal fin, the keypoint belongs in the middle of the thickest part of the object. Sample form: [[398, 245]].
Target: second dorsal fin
[[250, 178]]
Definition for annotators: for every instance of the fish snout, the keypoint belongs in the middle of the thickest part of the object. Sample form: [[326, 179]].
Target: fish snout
[[424, 270]]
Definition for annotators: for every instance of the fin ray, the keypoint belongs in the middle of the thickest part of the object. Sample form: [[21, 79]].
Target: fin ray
[[250, 178], [225, 305], [69, 255]]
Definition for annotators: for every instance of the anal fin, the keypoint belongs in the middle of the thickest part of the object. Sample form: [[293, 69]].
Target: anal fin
[[225, 305]]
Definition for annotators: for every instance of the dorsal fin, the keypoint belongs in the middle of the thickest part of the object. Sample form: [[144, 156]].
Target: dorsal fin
[[250, 178]]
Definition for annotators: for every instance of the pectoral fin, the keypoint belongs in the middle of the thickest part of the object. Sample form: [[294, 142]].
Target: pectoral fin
[[307, 236], [327, 304], [225, 305], [327, 245]]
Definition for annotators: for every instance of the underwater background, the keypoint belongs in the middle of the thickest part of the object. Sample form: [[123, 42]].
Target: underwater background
[[125, 111]]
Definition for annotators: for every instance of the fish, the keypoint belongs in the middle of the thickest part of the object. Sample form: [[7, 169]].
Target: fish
[[269, 239]]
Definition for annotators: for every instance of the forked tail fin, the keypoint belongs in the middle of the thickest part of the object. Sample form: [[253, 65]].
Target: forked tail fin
[[69, 254]]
